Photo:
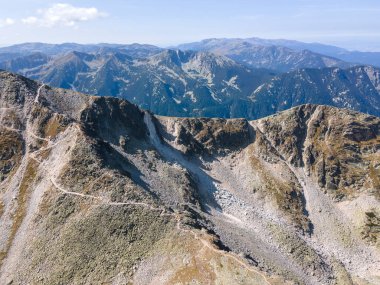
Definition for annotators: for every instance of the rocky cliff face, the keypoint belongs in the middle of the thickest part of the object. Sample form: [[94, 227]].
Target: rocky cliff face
[[94, 190]]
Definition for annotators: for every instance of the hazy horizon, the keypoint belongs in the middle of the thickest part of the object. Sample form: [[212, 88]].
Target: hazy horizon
[[173, 45], [348, 24]]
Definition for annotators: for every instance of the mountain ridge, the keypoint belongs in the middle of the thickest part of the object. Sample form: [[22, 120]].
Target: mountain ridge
[[335, 87], [203, 83], [169, 83], [359, 57], [272, 56]]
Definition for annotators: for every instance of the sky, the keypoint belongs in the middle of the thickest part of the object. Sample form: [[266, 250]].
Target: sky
[[352, 24]]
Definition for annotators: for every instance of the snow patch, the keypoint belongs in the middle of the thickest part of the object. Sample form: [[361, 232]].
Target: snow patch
[[191, 95], [232, 82]]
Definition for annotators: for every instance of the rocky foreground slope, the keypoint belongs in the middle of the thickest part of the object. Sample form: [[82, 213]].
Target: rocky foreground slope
[[94, 190]]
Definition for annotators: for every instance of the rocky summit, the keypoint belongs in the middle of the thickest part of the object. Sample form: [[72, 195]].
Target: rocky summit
[[94, 190]]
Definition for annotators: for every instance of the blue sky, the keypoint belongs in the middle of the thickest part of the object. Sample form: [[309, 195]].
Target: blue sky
[[347, 23]]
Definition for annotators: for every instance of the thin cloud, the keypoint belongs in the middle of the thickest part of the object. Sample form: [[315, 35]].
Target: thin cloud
[[7, 22], [63, 15]]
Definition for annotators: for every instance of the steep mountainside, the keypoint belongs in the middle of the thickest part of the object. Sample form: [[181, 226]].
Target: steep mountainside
[[275, 57], [26, 63], [282, 59], [170, 83], [96, 191], [357, 88]]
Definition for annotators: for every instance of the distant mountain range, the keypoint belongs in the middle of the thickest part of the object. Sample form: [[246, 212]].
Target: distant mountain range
[[356, 88], [359, 57], [274, 57], [227, 78], [169, 83], [134, 50]]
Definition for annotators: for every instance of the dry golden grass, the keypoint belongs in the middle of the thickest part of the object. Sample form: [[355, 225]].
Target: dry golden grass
[[282, 192], [375, 177], [54, 126], [1, 208], [11, 148]]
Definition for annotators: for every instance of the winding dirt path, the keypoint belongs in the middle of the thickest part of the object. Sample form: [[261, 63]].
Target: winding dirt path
[[39, 93], [177, 216], [207, 243], [204, 241]]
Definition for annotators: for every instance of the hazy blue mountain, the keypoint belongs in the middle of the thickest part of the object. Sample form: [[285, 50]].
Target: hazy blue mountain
[[5, 56], [201, 83], [259, 54], [357, 88], [139, 50], [369, 58], [297, 45], [294, 45], [23, 64]]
